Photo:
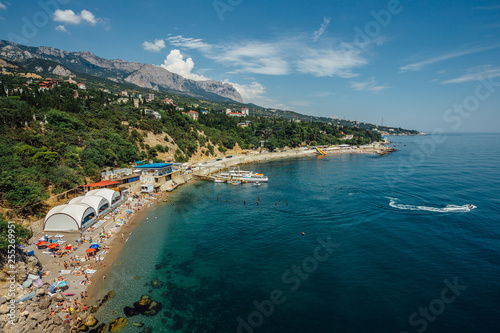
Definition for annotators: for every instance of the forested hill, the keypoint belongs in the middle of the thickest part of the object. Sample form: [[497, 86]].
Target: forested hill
[[55, 139]]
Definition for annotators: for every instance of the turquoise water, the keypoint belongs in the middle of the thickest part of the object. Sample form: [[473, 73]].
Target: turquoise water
[[393, 230]]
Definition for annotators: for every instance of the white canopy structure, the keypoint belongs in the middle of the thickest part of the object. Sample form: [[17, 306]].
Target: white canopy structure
[[68, 217], [106, 193], [97, 202]]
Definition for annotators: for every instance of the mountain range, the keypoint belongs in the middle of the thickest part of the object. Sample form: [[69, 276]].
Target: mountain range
[[65, 63]]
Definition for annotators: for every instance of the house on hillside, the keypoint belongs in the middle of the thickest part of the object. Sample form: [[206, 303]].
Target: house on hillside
[[82, 86], [149, 98], [153, 113], [236, 114], [192, 114]]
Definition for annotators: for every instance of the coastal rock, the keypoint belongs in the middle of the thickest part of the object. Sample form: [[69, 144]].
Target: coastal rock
[[116, 325], [106, 298], [40, 317], [130, 312], [44, 303], [58, 298], [4, 308], [90, 320], [3, 299], [57, 320], [82, 328], [99, 329], [157, 284], [40, 292], [143, 304], [154, 308]]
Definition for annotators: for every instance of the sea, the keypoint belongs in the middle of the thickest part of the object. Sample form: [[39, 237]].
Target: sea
[[407, 242]]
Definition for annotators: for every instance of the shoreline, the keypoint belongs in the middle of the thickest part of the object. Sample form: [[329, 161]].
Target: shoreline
[[116, 243]]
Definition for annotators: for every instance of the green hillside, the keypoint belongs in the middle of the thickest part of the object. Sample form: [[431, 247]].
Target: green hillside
[[54, 140]]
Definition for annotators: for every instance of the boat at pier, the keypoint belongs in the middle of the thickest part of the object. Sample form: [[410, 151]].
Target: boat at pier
[[243, 176]]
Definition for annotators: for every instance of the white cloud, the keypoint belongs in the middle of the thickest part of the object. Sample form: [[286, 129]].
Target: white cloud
[[251, 93], [331, 63], [61, 28], [2, 6], [88, 16], [419, 65], [476, 74], [317, 34], [175, 63], [247, 56], [156, 46], [70, 17], [190, 43], [371, 85], [281, 56]]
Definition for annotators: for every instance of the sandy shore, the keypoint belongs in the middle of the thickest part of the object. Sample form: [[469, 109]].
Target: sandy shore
[[118, 225]]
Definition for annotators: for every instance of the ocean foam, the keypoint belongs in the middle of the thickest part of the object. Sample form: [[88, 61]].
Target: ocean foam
[[446, 209]]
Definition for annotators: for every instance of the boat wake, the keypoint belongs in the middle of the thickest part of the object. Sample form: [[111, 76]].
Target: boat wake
[[447, 209]]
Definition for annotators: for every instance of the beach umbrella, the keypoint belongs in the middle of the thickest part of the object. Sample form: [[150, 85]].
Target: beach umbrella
[[52, 287], [94, 246], [53, 246], [41, 243], [89, 250], [62, 284]]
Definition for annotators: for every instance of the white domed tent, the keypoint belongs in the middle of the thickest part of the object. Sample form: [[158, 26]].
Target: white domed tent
[[112, 196], [97, 202], [68, 217]]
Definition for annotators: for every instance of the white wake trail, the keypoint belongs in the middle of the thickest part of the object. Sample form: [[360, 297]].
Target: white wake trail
[[447, 209]]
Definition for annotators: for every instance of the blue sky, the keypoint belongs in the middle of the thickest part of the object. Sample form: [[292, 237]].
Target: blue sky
[[416, 64]]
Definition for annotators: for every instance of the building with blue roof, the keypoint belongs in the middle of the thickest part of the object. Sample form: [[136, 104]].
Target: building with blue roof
[[155, 173]]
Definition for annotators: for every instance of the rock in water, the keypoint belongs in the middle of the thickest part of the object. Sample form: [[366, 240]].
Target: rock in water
[[106, 298], [116, 325], [82, 328], [143, 304], [157, 284], [129, 311], [154, 308], [99, 329], [138, 324], [147, 330]]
